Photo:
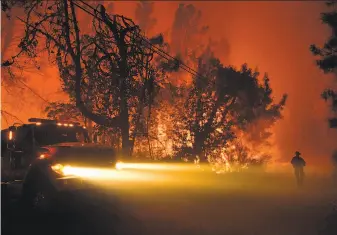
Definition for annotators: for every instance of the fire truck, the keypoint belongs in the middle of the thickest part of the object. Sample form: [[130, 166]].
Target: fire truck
[[39, 157]]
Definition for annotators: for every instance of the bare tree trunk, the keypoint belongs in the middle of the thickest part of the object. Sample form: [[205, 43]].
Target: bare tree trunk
[[198, 146], [123, 67], [76, 57], [147, 130], [125, 129]]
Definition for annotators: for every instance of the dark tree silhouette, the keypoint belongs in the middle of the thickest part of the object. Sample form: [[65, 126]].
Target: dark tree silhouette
[[109, 73], [220, 102], [328, 55], [64, 112], [328, 63]]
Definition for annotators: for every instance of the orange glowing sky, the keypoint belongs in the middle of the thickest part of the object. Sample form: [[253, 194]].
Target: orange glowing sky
[[274, 36]]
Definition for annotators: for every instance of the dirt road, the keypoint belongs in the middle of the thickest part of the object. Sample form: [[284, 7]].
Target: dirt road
[[186, 204]]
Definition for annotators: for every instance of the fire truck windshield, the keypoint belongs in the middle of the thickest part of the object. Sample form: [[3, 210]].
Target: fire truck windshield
[[52, 134]]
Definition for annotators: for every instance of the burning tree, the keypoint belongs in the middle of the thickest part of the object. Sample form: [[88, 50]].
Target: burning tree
[[210, 125], [116, 80], [220, 103], [236, 157], [109, 73]]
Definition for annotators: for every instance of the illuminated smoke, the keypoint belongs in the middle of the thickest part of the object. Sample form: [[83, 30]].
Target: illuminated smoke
[[143, 16], [187, 30]]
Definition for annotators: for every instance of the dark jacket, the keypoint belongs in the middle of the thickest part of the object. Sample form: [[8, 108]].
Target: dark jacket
[[298, 162]]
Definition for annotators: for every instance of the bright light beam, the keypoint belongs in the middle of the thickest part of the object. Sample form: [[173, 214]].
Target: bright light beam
[[157, 166], [110, 174]]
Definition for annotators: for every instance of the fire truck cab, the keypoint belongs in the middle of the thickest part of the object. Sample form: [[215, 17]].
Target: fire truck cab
[[36, 156]]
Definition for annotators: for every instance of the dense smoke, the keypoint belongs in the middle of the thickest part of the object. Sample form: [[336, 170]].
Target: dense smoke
[[188, 30], [143, 16]]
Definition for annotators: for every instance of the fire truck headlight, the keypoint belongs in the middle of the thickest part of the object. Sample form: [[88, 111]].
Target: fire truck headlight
[[57, 168], [119, 165], [62, 170], [42, 156]]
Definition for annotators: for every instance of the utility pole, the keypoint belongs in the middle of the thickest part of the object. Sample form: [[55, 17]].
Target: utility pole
[[148, 43]]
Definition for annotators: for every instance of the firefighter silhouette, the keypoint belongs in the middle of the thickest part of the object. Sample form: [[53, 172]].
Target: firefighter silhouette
[[298, 164]]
